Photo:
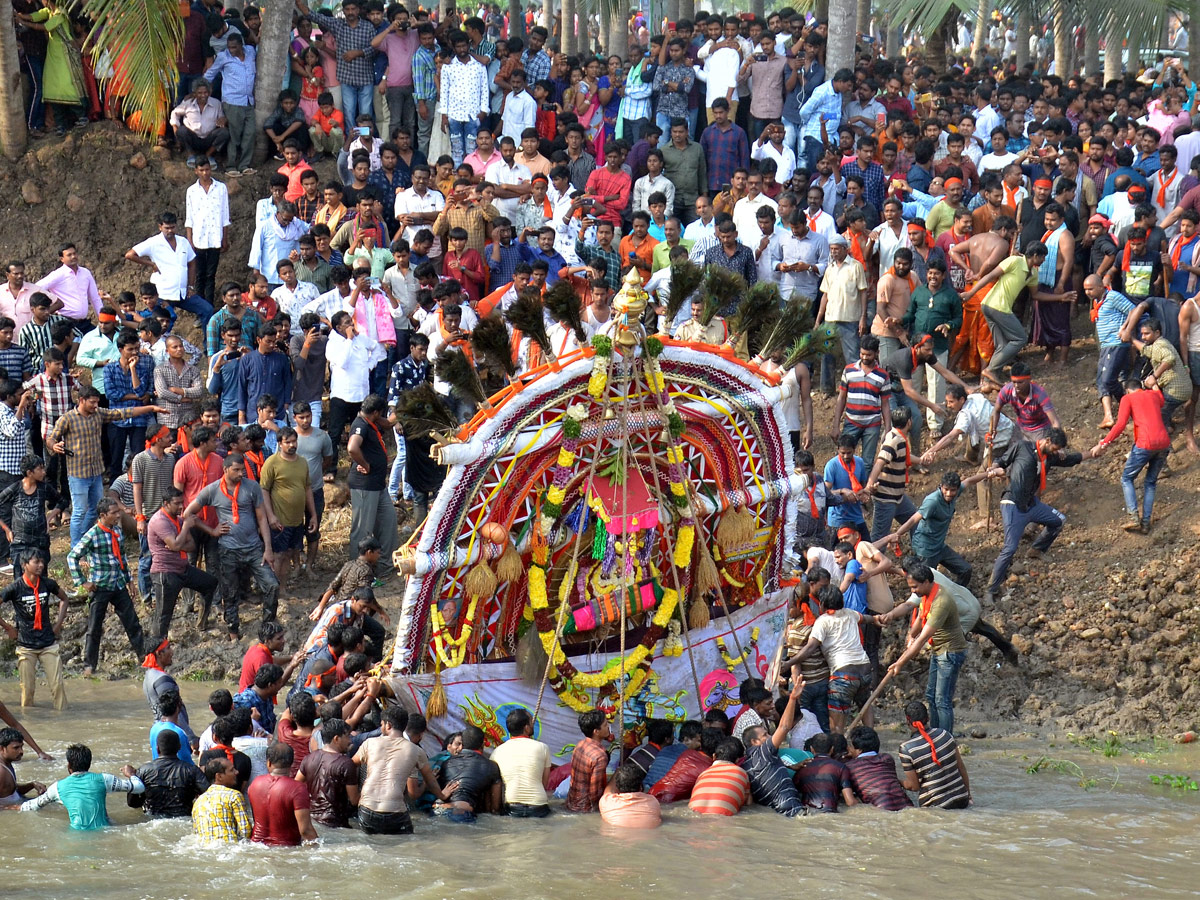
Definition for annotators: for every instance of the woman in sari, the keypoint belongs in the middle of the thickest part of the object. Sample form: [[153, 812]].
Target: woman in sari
[[62, 87]]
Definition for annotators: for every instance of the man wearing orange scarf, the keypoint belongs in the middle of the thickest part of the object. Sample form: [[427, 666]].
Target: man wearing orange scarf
[[893, 294], [36, 636], [1026, 463], [156, 683], [932, 763], [107, 581]]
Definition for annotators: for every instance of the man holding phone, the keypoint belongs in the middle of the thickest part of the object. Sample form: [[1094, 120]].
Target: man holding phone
[[768, 70]]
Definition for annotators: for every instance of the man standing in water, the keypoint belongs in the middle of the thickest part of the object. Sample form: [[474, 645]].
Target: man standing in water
[[280, 803], [932, 763], [12, 792], [83, 791]]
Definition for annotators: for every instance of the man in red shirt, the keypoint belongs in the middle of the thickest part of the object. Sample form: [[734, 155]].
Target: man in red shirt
[[280, 803], [589, 763], [609, 187], [195, 471], [1151, 445]]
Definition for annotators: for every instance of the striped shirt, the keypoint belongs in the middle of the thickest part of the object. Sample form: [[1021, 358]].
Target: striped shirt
[[941, 782], [1032, 411], [771, 781], [54, 399], [37, 338], [15, 360], [864, 394], [873, 776], [822, 781], [720, 790], [895, 452]]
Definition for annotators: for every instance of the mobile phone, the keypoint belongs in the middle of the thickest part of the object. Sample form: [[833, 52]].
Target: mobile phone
[[632, 255], [671, 26], [725, 188], [761, 57], [363, 130]]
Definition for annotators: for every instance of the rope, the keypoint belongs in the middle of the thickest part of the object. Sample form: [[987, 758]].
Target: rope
[[623, 453]]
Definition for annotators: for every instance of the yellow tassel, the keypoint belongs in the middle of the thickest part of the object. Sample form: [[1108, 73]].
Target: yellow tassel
[[437, 706], [707, 576], [480, 581], [735, 529], [698, 614], [509, 567]]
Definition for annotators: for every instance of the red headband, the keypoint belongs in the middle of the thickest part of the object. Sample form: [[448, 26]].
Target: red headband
[[107, 317], [951, 182], [1044, 182], [151, 438], [151, 660]]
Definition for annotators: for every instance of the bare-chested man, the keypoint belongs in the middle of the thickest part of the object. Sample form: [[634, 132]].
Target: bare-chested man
[[979, 255], [1052, 321]]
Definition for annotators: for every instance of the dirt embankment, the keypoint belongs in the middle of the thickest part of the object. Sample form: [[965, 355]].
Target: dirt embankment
[[1107, 624]]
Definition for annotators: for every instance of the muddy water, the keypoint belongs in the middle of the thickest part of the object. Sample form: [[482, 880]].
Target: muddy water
[[1029, 836]]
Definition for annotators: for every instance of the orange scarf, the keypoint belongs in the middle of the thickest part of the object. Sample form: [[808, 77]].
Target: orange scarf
[[1010, 195], [232, 498], [855, 484], [1041, 470], [812, 501], [1163, 185], [921, 614], [254, 464], [1179, 246], [378, 434], [116, 543], [910, 278], [37, 604], [856, 248], [462, 343], [178, 530], [813, 220], [925, 734]]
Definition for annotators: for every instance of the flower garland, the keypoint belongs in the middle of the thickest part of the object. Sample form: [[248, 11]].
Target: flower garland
[[598, 382], [731, 662], [441, 636], [675, 429]]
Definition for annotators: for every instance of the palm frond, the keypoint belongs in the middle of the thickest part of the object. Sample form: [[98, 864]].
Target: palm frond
[[142, 40], [525, 314], [562, 302], [491, 342]]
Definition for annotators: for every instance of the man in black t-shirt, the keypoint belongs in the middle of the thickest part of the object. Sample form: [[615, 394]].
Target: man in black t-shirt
[[371, 511], [35, 632], [479, 786]]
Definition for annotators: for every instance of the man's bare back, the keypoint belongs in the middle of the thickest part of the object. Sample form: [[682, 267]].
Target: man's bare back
[[980, 253]]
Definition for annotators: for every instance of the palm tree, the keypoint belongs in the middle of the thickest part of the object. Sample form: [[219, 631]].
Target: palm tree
[[143, 37], [839, 52], [272, 56]]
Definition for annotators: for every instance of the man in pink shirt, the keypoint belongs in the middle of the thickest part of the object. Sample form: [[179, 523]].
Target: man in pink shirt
[[15, 294], [399, 43], [485, 153], [74, 289]]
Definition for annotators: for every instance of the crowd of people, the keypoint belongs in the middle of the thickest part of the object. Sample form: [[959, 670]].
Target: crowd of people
[[933, 218]]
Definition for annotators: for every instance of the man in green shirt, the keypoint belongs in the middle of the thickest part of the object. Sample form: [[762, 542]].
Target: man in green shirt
[[931, 523], [286, 484], [684, 164], [83, 792]]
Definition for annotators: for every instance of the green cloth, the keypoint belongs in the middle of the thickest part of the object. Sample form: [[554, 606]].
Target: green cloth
[[287, 482], [948, 635], [1007, 288], [62, 76], [927, 310]]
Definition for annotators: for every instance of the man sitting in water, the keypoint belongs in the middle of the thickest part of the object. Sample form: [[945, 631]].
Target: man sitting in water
[[771, 780], [83, 792], [625, 804], [331, 776], [221, 813], [172, 785], [932, 763], [480, 788], [12, 792], [525, 767], [280, 803], [873, 774], [677, 782], [589, 763], [724, 787], [824, 782]]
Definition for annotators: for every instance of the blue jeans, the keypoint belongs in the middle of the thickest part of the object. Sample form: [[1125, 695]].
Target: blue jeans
[[1153, 462], [315, 406], [1015, 522], [462, 139], [815, 698], [197, 306], [848, 332], [399, 465], [888, 510], [143, 575], [869, 436], [1110, 371], [663, 121], [939, 694], [813, 148], [37, 109], [85, 495], [356, 98]]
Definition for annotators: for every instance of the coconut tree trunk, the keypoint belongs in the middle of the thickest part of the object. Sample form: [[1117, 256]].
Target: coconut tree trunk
[[759, 8], [980, 44], [272, 63], [568, 26], [548, 14], [1091, 44], [894, 39], [1023, 32], [14, 132], [585, 29], [671, 10], [862, 18], [687, 9], [821, 10], [516, 19], [1112, 49], [939, 40], [1062, 44], [839, 53]]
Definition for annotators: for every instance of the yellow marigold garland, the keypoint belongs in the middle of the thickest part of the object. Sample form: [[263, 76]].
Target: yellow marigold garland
[[441, 636], [684, 542]]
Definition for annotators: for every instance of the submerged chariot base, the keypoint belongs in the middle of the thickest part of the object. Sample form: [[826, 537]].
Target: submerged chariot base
[[638, 469]]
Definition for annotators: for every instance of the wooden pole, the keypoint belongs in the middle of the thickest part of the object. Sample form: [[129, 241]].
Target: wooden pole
[[870, 700]]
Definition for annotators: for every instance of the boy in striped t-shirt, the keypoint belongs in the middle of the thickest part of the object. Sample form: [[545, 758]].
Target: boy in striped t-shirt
[[932, 763], [724, 787], [863, 398]]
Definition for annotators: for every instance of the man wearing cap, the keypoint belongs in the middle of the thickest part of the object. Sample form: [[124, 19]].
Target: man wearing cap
[[923, 250], [1099, 246], [844, 296], [941, 217]]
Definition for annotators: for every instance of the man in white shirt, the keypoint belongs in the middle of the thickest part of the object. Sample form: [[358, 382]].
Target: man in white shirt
[[510, 177], [173, 263], [801, 258], [418, 207], [200, 125], [722, 58], [465, 99], [770, 146], [745, 211], [520, 109], [653, 180], [351, 357], [206, 218], [293, 295], [703, 226], [1000, 157]]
